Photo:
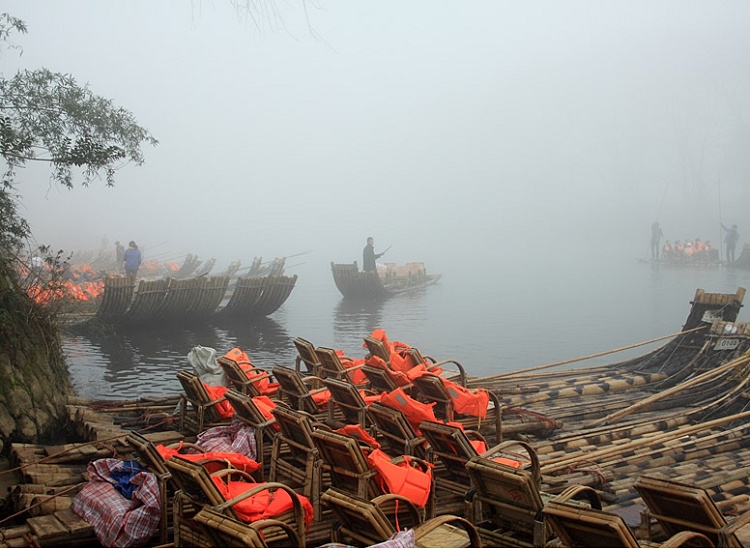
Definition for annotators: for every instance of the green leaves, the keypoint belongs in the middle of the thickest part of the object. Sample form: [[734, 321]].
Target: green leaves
[[48, 117]]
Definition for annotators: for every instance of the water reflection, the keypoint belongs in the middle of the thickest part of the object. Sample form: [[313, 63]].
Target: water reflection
[[126, 362], [354, 319]]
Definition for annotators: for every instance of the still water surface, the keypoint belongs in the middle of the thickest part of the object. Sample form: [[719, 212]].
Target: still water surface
[[511, 317]]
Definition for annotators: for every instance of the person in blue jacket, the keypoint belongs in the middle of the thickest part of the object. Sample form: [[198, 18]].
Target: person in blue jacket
[[132, 260]]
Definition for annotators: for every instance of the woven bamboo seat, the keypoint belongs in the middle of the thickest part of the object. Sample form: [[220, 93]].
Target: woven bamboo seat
[[225, 532], [391, 425], [378, 348], [579, 527], [298, 390], [295, 460], [344, 459], [149, 457], [431, 388], [681, 507], [248, 412], [382, 379], [334, 366], [346, 403], [306, 356], [197, 490], [367, 522], [242, 377], [202, 412], [507, 498], [451, 447]]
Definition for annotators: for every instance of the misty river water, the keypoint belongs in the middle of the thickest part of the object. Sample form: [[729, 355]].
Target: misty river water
[[514, 316]]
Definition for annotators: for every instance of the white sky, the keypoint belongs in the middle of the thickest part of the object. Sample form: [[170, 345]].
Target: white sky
[[451, 130]]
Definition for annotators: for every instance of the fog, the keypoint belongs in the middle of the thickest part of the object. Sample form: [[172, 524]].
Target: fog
[[457, 132]]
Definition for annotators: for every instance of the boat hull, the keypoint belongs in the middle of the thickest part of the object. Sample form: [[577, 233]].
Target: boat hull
[[378, 285]]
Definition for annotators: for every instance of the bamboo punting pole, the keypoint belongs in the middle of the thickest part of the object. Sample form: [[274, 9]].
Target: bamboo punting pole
[[715, 373], [501, 376]]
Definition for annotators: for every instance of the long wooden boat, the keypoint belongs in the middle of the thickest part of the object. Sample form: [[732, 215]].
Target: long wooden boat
[[679, 412], [388, 280]]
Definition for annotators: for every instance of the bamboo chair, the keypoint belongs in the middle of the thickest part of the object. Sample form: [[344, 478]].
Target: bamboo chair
[[248, 412], [295, 459], [382, 379], [507, 499], [579, 527], [431, 389], [680, 507], [450, 447], [149, 457], [298, 390], [197, 490], [204, 411], [377, 348], [225, 532], [458, 375], [332, 366], [238, 377], [306, 356], [368, 522], [343, 458], [346, 403], [392, 425]]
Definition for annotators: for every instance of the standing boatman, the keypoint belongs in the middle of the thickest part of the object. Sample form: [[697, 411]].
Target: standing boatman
[[369, 256]]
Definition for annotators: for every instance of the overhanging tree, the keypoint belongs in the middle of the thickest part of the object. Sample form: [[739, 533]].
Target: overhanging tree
[[48, 117]]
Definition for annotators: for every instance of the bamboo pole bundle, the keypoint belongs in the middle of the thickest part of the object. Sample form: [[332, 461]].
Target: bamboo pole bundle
[[572, 442], [601, 387], [688, 385], [620, 447]]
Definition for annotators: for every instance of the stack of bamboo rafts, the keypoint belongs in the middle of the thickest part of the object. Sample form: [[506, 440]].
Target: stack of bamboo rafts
[[48, 477], [680, 411]]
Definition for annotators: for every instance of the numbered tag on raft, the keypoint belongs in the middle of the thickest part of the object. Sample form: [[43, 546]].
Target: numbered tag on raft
[[727, 343]]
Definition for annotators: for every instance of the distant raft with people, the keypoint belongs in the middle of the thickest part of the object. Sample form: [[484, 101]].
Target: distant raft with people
[[389, 280]]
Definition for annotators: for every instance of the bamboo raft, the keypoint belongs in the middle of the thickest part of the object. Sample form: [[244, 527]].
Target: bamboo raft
[[681, 412], [198, 298]]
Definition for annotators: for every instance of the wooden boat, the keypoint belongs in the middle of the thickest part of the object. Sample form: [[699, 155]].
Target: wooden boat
[[677, 413], [388, 280]]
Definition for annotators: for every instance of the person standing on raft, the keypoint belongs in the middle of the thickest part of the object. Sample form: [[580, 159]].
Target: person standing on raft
[[369, 256]]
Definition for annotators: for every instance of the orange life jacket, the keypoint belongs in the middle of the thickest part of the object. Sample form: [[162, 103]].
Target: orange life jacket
[[467, 402], [224, 408], [404, 478], [398, 377], [265, 405], [357, 376], [415, 411], [359, 433], [261, 505], [262, 384], [237, 460]]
